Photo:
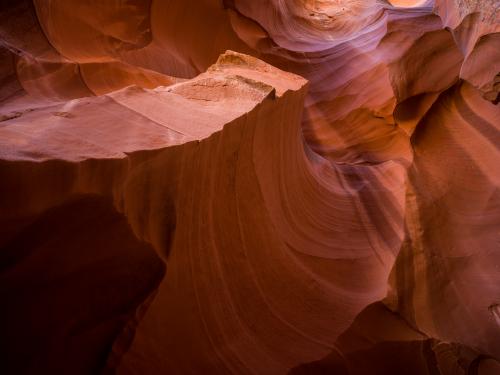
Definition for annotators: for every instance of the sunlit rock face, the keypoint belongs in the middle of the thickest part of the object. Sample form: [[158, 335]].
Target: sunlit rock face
[[409, 3], [250, 186]]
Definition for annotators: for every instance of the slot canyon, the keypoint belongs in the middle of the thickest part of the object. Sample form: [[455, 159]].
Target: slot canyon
[[268, 187]]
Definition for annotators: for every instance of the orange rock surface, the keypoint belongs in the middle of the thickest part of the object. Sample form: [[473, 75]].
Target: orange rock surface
[[250, 187]]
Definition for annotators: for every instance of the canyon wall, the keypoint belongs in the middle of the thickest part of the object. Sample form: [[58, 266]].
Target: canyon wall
[[240, 186]]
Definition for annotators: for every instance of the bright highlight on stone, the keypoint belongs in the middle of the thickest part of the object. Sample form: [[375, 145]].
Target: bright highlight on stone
[[250, 187]]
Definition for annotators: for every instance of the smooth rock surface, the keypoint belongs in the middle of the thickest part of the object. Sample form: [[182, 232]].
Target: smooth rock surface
[[322, 200]]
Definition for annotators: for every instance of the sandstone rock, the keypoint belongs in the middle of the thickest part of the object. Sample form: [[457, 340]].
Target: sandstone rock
[[323, 200]]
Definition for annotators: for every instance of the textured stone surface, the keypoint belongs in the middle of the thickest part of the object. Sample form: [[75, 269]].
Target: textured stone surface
[[323, 200]]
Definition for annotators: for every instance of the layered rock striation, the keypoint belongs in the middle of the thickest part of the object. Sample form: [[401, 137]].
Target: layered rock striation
[[322, 200]]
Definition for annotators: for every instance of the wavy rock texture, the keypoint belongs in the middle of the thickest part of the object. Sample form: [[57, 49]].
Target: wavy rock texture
[[323, 200]]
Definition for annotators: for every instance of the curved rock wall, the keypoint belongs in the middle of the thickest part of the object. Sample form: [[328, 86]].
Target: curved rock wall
[[284, 206]]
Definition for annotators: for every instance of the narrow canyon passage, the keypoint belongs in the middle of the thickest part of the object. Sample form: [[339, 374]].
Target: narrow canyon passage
[[250, 187]]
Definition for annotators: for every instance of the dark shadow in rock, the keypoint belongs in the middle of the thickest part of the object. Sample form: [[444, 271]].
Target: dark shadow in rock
[[380, 342], [81, 278]]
